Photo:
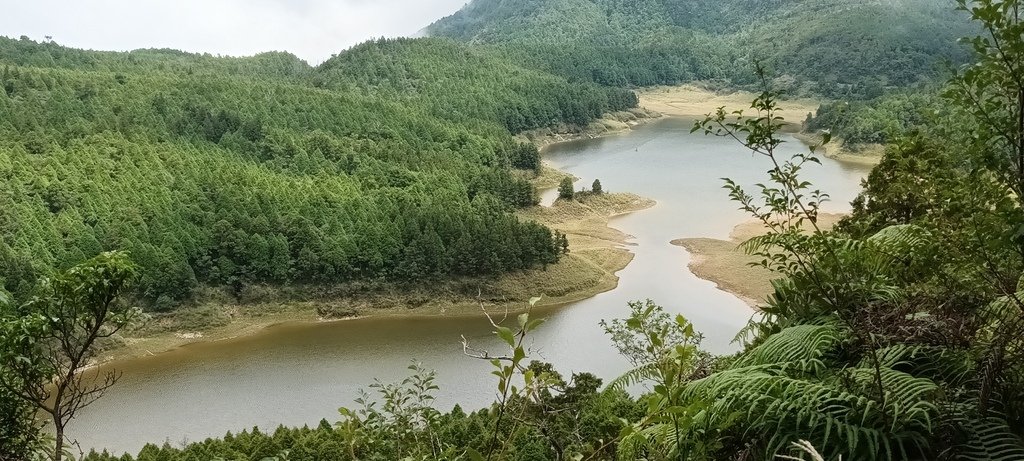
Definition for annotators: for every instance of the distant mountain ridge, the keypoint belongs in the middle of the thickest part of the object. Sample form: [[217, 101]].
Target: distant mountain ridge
[[841, 41]]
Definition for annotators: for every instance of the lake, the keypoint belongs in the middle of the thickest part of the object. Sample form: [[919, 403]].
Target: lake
[[300, 374]]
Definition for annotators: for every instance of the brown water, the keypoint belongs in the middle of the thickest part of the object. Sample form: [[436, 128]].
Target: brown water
[[299, 374]]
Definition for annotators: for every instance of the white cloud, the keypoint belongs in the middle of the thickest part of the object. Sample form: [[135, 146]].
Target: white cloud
[[312, 29]]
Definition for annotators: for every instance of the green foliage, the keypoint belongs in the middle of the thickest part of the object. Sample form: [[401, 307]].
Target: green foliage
[[393, 161], [992, 91], [913, 179], [405, 425], [846, 47], [666, 354], [596, 187], [48, 342], [879, 120], [566, 189], [19, 432]]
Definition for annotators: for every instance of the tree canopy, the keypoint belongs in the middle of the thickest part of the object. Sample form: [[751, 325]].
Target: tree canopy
[[834, 44], [392, 161]]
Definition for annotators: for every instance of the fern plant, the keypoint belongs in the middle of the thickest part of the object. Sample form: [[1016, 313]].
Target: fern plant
[[817, 367], [795, 386]]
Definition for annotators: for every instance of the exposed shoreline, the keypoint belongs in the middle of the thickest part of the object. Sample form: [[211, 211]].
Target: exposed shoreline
[[609, 125], [869, 154], [694, 101], [724, 262]]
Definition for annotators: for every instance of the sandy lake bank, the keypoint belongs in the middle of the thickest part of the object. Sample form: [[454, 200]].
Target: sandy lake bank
[[726, 264]]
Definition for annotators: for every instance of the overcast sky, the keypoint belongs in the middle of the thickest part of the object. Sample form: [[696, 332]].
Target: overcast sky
[[312, 29]]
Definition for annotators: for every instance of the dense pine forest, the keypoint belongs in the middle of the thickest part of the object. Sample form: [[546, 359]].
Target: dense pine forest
[[897, 335], [841, 47], [392, 161]]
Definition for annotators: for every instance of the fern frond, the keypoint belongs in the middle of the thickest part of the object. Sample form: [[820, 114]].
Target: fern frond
[[1004, 310], [782, 409], [907, 403], [795, 344], [937, 363], [635, 376], [903, 239], [992, 440], [894, 244]]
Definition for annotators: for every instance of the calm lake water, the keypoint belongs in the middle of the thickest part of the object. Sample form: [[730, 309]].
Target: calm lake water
[[300, 374]]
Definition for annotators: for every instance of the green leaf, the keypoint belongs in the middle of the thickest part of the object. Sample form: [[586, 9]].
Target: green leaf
[[506, 335], [518, 355], [474, 455]]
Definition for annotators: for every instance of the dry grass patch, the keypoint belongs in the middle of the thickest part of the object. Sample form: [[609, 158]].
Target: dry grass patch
[[694, 101], [547, 177]]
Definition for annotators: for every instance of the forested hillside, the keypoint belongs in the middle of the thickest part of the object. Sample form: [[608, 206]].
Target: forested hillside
[[644, 42], [434, 73], [877, 120], [898, 335], [392, 161]]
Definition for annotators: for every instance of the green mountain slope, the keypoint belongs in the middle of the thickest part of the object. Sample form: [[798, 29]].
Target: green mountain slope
[[234, 171], [469, 85], [825, 41]]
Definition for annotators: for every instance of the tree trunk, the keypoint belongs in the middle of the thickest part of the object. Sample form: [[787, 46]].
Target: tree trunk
[[1020, 136], [58, 448]]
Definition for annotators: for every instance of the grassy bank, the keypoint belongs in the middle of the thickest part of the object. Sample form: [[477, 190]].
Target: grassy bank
[[549, 177], [726, 264]]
